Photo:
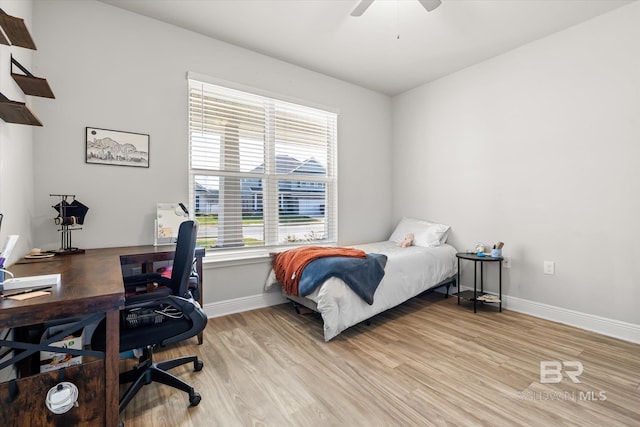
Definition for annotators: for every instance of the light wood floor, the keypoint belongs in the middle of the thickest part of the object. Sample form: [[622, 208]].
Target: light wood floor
[[427, 362]]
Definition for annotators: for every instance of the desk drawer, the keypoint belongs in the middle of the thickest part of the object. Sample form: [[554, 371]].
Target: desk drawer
[[27, 406]]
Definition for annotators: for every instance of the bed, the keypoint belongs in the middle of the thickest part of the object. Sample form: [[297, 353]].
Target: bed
[[428, 264]]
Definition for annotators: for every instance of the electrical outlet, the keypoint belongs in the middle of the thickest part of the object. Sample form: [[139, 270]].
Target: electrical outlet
[[549, 267], [506, 262]]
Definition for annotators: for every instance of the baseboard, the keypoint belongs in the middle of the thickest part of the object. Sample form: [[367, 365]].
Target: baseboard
[[238, 305], [602, 325]]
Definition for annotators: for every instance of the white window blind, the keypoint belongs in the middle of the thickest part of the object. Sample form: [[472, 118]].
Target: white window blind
[[262, 171]]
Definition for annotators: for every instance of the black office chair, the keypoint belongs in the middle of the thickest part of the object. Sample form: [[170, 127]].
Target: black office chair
[[160, 318], [183, 281]]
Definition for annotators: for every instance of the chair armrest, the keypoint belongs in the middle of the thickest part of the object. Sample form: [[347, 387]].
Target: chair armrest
[[191, 310], [194, 286]]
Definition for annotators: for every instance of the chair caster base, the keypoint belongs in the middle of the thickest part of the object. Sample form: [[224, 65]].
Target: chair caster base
[[194, 399]]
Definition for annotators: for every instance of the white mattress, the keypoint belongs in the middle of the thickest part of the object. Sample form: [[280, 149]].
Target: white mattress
[[409, 272]]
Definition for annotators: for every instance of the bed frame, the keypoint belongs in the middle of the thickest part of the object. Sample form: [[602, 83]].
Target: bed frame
[[303, 305]]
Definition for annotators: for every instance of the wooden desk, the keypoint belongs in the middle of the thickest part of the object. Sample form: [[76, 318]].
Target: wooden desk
[[90, 283]]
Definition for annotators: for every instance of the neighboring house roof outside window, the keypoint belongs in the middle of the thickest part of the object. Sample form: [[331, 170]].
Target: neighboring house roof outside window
[[287, 165]]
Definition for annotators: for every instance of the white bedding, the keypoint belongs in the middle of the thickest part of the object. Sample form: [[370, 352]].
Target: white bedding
[[409, 272]]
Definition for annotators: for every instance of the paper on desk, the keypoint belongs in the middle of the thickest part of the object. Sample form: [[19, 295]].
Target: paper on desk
[[22, 297]]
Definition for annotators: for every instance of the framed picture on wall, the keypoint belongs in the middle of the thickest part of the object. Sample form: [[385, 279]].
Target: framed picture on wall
[[117, 148]]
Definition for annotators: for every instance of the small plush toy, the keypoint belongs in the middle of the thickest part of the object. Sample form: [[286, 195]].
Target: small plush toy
[[408, 241]]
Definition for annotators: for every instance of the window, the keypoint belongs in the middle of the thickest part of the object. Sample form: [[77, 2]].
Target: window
[[262, 171]]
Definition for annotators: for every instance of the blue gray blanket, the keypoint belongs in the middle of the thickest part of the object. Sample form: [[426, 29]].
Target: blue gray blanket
[[362, 275]]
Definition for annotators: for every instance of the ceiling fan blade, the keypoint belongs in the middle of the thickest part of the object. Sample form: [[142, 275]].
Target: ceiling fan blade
[[430, 4], [361, 7]]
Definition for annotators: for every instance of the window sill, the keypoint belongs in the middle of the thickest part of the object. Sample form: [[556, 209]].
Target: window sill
[[232, 258]]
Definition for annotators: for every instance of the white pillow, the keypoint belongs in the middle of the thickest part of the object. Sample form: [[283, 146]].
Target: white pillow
[[426, 234]]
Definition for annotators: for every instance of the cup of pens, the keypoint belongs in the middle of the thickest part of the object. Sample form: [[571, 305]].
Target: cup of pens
[[496, 251]]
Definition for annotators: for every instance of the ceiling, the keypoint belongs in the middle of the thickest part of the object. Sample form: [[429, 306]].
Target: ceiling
[[394, 46]]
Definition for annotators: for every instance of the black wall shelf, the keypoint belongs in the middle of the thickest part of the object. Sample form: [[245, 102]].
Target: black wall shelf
[[17, 112], [30, 84], [16, 32]]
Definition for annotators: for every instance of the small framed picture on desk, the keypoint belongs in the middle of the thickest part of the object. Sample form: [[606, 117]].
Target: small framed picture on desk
[[169, 216]]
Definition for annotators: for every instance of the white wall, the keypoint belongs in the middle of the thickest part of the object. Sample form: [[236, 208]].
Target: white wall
[[16, 154], [16, 143], [113, 69], [538, 147]]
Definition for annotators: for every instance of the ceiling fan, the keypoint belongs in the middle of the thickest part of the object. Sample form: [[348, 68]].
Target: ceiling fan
[[429, 5]]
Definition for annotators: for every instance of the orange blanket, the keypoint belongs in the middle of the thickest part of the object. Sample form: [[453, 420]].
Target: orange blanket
[[288, 265]]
